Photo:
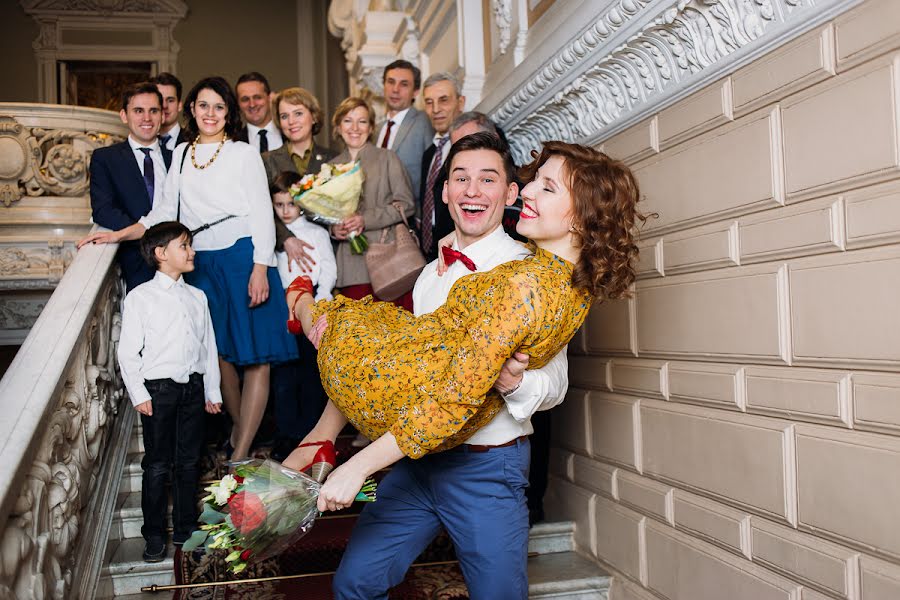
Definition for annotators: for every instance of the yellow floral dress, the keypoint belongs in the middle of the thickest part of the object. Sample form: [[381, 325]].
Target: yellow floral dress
[[429, 379]]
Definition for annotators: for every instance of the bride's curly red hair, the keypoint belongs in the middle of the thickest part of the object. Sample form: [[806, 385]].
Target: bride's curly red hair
[[604, 195]]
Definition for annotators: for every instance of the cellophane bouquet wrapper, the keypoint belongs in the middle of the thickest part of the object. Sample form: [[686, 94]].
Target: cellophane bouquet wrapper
[[259, 511], [333, 195]]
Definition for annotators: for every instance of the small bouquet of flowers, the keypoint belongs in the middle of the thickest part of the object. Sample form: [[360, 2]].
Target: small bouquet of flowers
[[330, 196], [259, 511]]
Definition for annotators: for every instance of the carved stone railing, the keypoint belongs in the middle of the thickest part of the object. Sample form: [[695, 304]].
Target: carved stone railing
[[45, 153], [63, 437]]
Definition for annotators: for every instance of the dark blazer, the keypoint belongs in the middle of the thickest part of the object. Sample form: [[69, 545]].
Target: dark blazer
[[443, 224], [118, 199], [279, 160]]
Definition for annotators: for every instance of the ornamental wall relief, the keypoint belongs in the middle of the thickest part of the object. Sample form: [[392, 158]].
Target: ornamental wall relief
[[35, 161], [590, 86]]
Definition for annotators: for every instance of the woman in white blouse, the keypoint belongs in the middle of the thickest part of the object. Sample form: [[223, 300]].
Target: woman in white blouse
[[217, 187]]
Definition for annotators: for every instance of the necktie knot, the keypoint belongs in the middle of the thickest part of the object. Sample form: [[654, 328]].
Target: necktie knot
[[451, 256], [164, 139], [146, 151]]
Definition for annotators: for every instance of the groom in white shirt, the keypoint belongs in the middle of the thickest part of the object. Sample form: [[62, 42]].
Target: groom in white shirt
[[477, 490]]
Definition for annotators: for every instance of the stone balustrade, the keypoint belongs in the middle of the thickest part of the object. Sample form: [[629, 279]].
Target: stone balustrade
[[63, 437]]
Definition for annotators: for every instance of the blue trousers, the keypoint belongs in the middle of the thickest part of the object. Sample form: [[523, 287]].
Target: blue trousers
[[478, 497]]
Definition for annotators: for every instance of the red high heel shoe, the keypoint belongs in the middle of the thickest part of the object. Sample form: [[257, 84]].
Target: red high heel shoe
[[304, 285], [323, 462]]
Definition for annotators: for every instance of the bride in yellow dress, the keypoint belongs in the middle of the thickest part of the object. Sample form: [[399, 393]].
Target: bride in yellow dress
[[424, 384]]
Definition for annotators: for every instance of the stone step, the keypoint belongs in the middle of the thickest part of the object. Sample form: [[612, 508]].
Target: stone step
[[131, 474], [558, 576], [566, 576], [550, 538], [127, 572]]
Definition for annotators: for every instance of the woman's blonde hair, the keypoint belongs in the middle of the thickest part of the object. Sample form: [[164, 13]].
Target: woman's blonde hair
[[346, 105], [303, 97]]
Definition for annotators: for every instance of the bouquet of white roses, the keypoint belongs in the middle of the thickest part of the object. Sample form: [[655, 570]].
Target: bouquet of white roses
[[332, 195]]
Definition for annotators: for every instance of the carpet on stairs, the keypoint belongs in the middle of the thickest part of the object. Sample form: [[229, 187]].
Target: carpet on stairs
[[316, 556]]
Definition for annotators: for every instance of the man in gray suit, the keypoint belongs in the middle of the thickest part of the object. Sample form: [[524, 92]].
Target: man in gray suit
[[405, 130]]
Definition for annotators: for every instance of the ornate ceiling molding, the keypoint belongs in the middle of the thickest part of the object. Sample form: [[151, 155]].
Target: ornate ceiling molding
[[588, 88]]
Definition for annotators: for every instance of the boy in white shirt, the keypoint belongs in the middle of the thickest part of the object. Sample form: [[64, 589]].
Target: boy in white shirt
[[296, 388], [170, 366]]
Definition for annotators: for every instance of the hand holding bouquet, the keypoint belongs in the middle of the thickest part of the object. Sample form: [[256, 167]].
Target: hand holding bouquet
[[259, 511], [330, 196]]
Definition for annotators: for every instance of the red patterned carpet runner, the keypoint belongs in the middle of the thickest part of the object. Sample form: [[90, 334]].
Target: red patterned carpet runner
[[317, 555]]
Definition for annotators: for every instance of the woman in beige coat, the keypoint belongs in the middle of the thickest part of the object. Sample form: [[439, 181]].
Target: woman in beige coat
[[386, 182]]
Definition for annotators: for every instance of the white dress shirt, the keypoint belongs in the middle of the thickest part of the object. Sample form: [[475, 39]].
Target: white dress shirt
[[324, 272], [540, 389], [273, 135], [173, 137], [397, 119], [167, 333], [159, 167], [234, 184]]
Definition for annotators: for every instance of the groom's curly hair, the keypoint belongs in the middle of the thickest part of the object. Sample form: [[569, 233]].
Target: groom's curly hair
[[604, 195]]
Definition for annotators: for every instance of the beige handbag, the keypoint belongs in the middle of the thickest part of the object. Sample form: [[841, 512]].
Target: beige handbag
[[395, 266]]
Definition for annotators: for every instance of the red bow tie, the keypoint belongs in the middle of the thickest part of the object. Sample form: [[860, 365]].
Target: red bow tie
[[451, 256]]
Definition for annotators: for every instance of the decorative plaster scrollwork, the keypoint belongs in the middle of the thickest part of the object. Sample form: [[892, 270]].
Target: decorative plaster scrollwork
[[38, 543], [570, 56], [37, 161], [106, 7], [680, 42], [502, 11]]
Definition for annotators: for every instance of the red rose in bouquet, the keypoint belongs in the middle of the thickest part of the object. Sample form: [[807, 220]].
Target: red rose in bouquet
[[247, 511]]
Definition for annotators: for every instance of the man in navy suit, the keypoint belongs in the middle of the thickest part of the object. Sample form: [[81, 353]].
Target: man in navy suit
[[127, 178], [171, 133]]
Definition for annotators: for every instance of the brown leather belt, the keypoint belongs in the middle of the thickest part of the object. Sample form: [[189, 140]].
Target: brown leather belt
[[483, 448]]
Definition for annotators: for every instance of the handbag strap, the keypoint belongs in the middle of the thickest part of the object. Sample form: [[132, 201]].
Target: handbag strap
[[399, 209], [180, 170], [205, 226]]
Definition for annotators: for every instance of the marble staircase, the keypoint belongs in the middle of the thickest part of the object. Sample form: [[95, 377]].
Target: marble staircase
[[556, 571]]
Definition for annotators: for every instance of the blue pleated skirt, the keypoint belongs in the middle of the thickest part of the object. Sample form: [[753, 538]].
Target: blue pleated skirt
[[244, 335]]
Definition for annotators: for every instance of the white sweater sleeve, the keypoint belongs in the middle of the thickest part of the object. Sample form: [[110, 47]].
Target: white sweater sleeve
[[256, 191]]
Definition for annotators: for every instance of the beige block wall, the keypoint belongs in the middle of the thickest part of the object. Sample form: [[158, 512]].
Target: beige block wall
[[733, 431]]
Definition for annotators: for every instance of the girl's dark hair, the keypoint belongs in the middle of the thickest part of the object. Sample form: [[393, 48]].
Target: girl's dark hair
[[604, 196], [283, 182], [221, 87], [159, 236]]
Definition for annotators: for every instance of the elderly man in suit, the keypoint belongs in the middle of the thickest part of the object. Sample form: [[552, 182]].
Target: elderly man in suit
[[405, 130], [127, 178], [443, 104]]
